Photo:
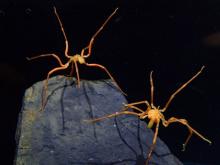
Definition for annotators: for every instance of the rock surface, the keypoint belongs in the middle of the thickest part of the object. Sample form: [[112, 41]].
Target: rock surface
[[60, 136]]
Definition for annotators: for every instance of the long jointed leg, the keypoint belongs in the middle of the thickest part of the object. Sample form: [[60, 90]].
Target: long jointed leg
[[64, 34], [113, 115], [134, 107], [138, 103], [103, 68], [181, 88], [46, 55], [154, 143], [62, 66], [89, 47], [191, 130], [151, 89], [72, 70], [44, 93], [77, 74]]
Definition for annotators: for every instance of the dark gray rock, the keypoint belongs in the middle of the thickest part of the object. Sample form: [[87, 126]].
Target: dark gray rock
[[60, 136]]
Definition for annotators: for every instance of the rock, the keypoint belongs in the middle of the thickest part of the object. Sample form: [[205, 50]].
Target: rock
[[60, 136]]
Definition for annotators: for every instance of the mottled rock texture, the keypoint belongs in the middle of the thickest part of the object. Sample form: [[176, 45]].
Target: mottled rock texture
[[60, 136]]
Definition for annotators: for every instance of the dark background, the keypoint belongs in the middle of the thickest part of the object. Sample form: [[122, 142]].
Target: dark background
[[172, 38]]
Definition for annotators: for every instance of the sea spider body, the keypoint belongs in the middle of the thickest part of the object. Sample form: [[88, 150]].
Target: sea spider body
[[77, 58], [154, 115]]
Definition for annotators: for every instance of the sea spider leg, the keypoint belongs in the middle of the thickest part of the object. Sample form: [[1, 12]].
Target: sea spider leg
[[77, 74], [191, 130], [46, 55], [62, 66], [64, 34], [134, 107], [72, 69], [154, 143], [151, 89], [139, 102], [89, 47], [181, 88], [46, 83], [113, 115], [109, 74], [143, 114]]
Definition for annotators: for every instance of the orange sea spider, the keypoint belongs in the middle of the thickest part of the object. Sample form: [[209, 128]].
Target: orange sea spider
[[155, 114], [73, 60]]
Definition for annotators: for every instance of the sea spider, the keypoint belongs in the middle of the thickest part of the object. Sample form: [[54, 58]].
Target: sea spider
[[73, 60], [155, 114]]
